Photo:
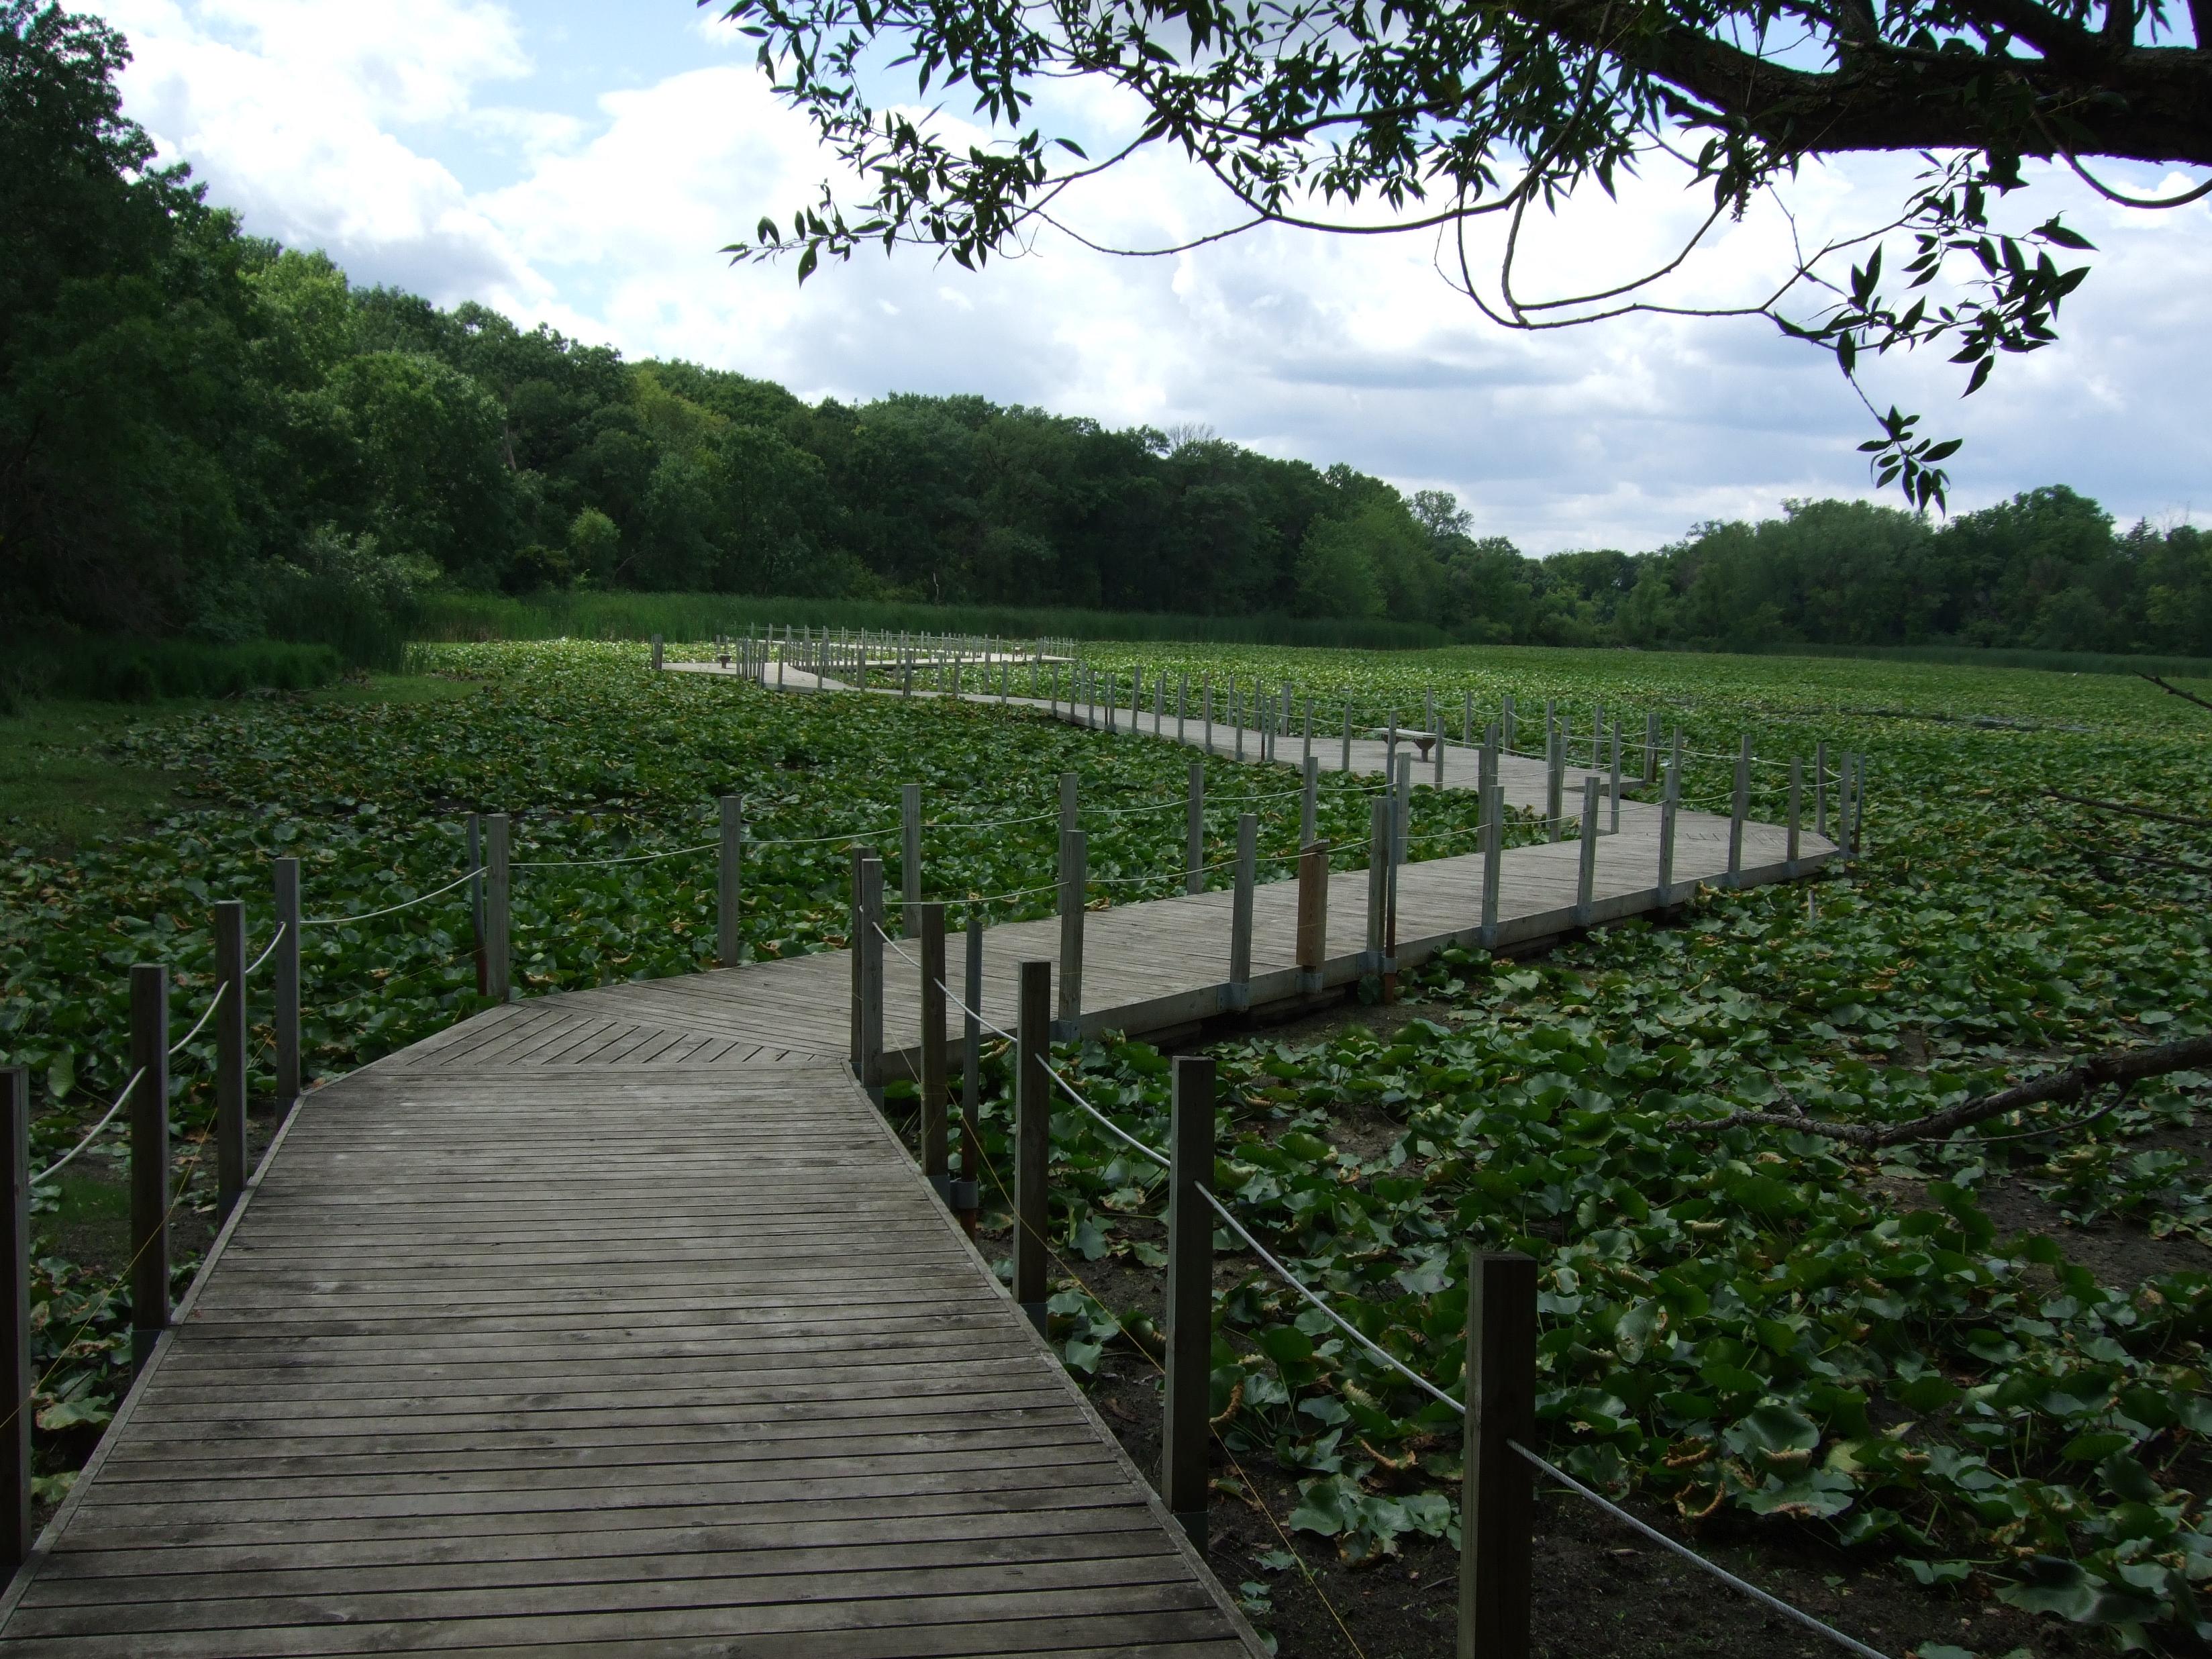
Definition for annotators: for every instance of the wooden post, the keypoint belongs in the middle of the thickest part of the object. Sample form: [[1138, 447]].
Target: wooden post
[[498, 912], [1820, 787], [1193, 831], [1670, 799], [1159, 702], [1074, 881], [477, 893], [1651, 748], [1070, 804], [856, 918], [1378, 879], [1493, 847], [1555, 782], [656, 652], [1467, 721], [1505, 719], [284, 969], [1236, 715], [1182, 705], [936, 1155], [1797, 792], [1313, 913], [1402, 816], [1240, 913], [1740, 807], [910, 858], [1858, 806], [729, 917], [1032, 1137], [872, 977], [1347, 766], [1498, 1490], [1186, 1397], [150, 1160], [1486, 771], [16, 1377], [1309, 798], [1306, 759], [1613, 792], [1586, 865], [967, 1192], [229, 1055]]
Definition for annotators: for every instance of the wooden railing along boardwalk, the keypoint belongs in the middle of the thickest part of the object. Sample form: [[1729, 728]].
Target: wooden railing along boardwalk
[[619, 1322]]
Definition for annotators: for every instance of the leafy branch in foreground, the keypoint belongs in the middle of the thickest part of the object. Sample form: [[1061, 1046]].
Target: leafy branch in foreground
[[1331, 116], [2124, 1066]]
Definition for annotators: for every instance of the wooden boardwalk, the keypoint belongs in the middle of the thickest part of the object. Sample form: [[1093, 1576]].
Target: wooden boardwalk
[[618, 1321]]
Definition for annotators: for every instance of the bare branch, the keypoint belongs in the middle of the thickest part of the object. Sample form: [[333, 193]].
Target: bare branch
[[2130, 811], [2125, 1065], [2186, 697]]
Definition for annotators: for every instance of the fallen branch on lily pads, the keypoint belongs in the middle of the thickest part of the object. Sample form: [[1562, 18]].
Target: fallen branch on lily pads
[[2122, 1066]]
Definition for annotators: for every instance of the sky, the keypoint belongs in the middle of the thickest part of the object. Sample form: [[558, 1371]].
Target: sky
[[581, 162]]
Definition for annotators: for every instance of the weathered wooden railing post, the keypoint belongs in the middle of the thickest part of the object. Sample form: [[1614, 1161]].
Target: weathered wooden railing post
[[856, 918], [1670, 805], [872, 977], [1193, 831], [1378, 883], [1497, 1496], [477, 896], [1493, 848], [1739, 808], [1651, 748], [1346, 765], [967, 1196], [499, 910], [16, 1378], [1797, 795], [936, 1152], [910, 858], [1403, 818], [1586, 862], [1486, 768], [1820, 787], [1309, 798], [1467, 721], [229, 1054], [1313, 913], [284, 983], [1858, 806], [1075, 881], [729, 884], [1070, 803], [1505, 719], [1186, 1399], [656, 652], [1239, 992], [1555, 782], [1159, 702], [1237, 714], [1182, 705], [1032, 1137], [1612, 791], [150, 1160]]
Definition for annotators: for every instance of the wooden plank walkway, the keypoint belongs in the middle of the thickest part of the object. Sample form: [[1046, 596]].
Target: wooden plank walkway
[[618, 1321]]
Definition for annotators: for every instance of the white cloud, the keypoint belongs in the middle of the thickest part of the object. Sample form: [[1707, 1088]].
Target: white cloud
[[411, 141]]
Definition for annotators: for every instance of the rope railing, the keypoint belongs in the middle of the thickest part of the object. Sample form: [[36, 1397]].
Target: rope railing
[[200, 1024], [1368, 1345], [274, 939], [93, 1133], [389, 909], [588, 864]]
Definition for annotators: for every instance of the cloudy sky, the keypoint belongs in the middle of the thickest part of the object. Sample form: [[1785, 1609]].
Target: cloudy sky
[[580, 162]]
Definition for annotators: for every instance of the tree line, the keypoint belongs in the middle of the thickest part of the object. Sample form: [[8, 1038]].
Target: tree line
[[204, 433]]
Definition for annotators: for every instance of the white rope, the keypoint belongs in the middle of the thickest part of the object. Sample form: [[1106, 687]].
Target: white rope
[[276, 939], [585, 864], [817, 840], [389, 909], [1106, 1122], [106, 1118], [1772, 1602], [206, 1014], [992, 824], [1314, 1296]]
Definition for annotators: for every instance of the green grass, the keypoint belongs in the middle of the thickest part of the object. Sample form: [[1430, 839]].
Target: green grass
[[2056, 662]]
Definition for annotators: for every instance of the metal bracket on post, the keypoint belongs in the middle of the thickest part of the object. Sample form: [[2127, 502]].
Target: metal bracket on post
[[1032, 1137], [1184, 1429]]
